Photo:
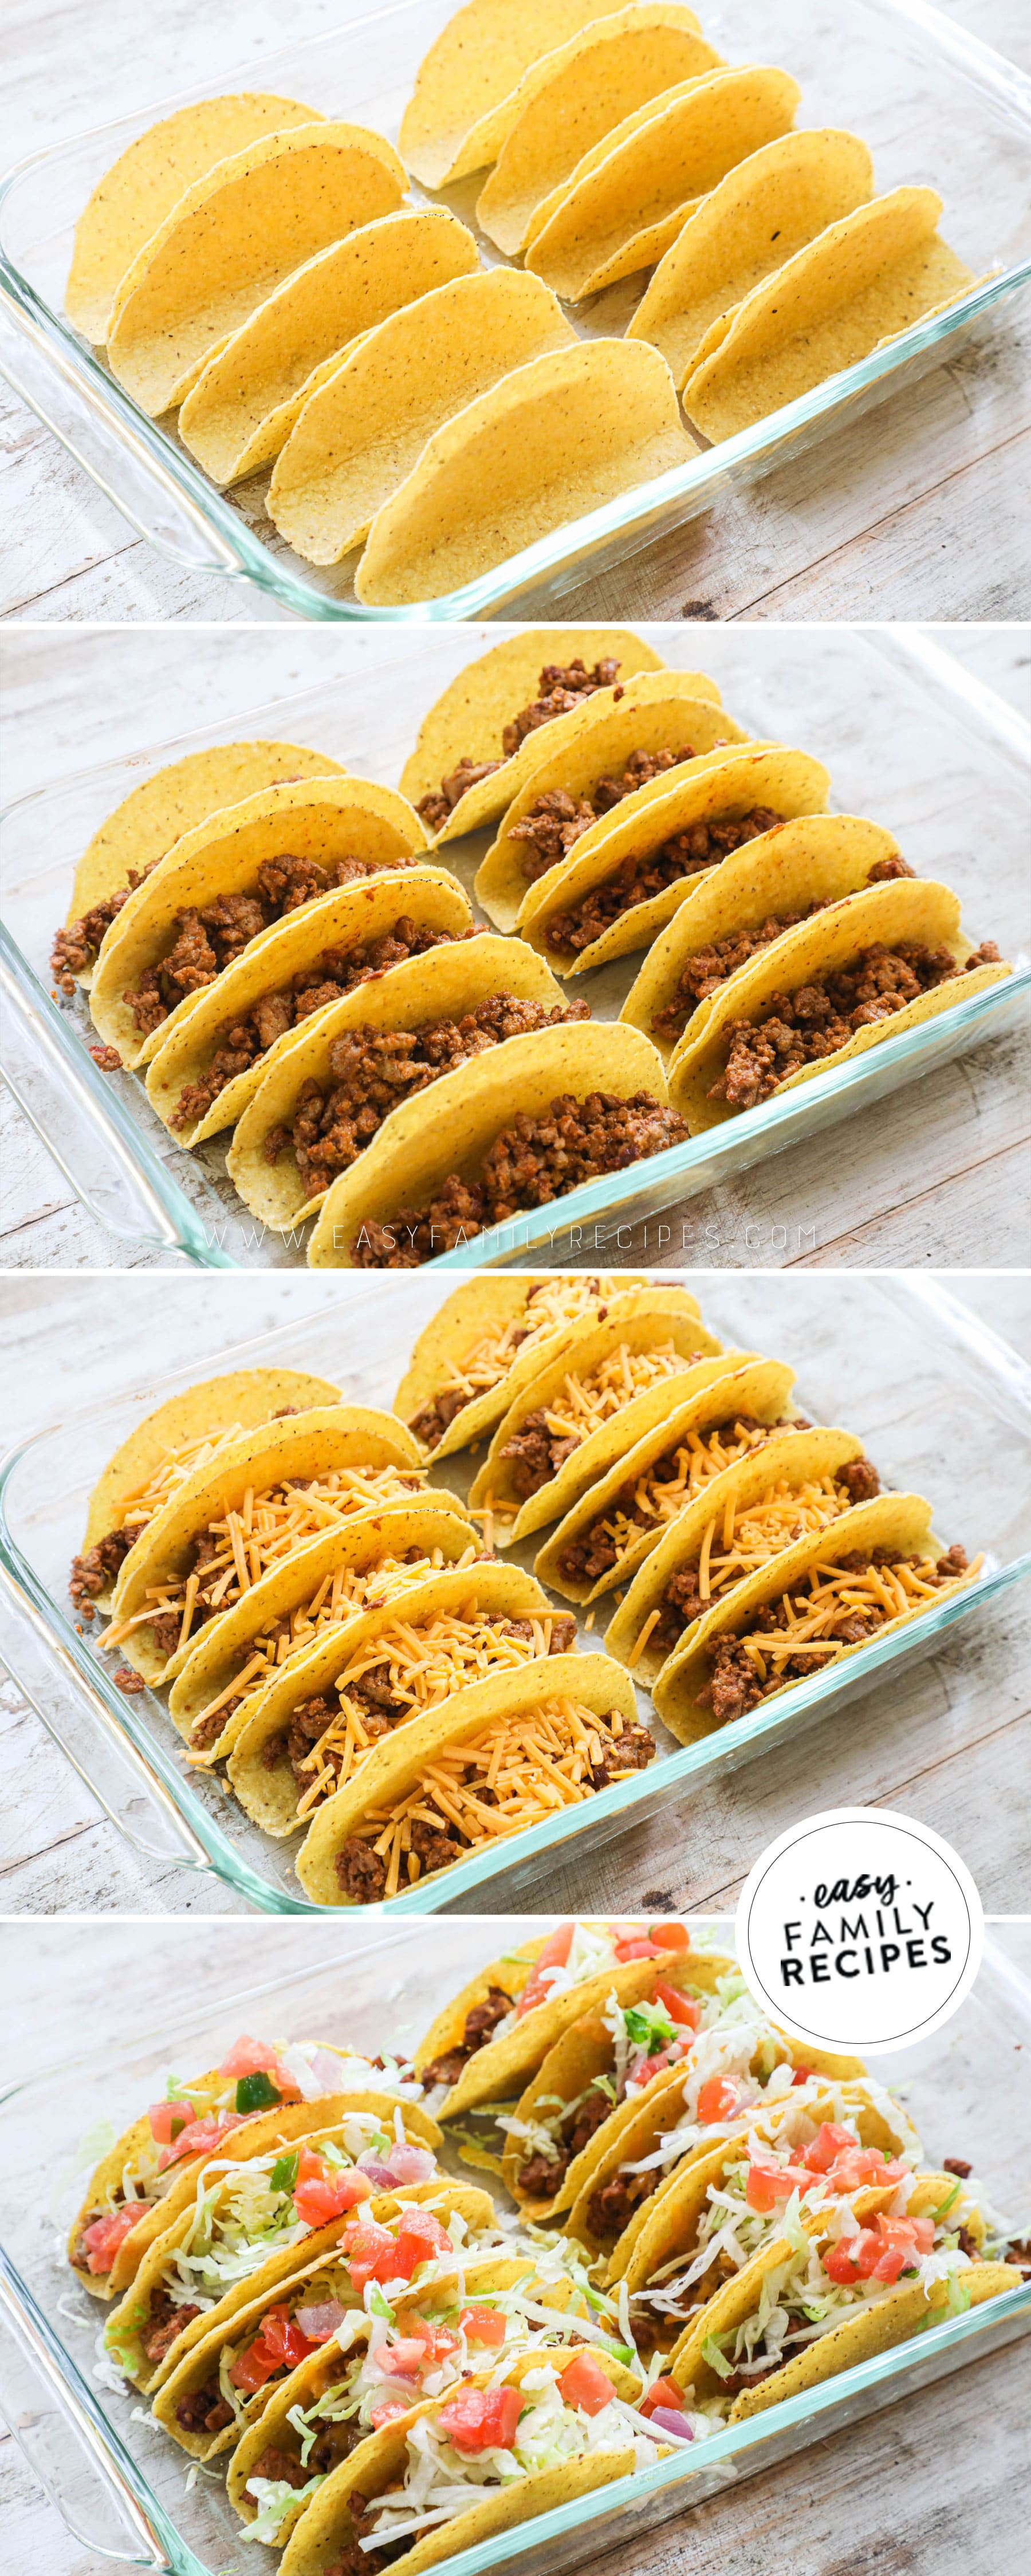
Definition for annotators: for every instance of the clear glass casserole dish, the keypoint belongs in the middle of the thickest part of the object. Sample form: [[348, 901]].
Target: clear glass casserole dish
[[123, 2489], [943, 1407], [909, 737], [934, 104]]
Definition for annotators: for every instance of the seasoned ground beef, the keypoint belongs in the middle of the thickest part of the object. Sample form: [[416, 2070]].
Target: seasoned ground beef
[[633, 1752], [284, 2466], [371, 1070], [713, 966], [207, 938], [529, 1164], [685, 854], [734, 1686], [552, 826], [353, 2560], [560, 688], [75, 948], [241, 1042], [957, 2165], [612, 2206], [205, 2409], [163, 2324], [541, 2176], [535, 1454], [481, 2022], [594, 1553], [805, 1026], [96, 1568], [129, 1682]]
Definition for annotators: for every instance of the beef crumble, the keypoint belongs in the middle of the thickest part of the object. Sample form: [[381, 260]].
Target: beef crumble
[[338, 971], [713, 966], [561, 687], [529, 1164], [206, 938], [204, 2409], [542, 2176], [371, 1070], [684, 854], [555, 823], [734, 1685], [76, 947], [353, 2559], [96, 1568], [803, 1027], [481, 2022], [164, 2323]]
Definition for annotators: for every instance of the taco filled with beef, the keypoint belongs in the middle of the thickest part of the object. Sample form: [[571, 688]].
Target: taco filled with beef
[[476, 746], [487, 2043]]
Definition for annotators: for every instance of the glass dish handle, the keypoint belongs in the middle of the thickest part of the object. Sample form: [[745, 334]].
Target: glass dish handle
[[113, 1769], [64, 2449], [138, 486]]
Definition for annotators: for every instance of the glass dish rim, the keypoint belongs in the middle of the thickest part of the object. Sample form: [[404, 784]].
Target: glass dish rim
[[118, 2467], [678, 1771], [181, 1229], [244, 556]]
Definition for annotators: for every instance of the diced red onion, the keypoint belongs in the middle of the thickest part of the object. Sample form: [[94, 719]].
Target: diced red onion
[[381, 2176], [321, 2322], [411, 2164], [667, 2419]]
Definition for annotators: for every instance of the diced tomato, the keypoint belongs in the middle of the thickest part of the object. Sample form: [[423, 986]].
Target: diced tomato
[[388, 2411], [409, 2322], [169, 2119], [200, 2137], [324, 2191], [717, 2099], [554, 1955], [586, 2385], [252, 2057], [681, 2008], [405, 2358], [664, 2392], [831, 2140], [923, 2234], [444, 2343], [483, 2325], [366, 2247], [104, 2237], [652, 2066], [801, 2075], [902, 2239], [482, 2419], [641, 1946], [854, 2258], [280, 2343], [420, 2236], [769, 2183], [672, 1936]]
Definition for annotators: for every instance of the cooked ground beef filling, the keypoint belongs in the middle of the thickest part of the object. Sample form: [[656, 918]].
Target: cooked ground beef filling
[[552, 827], [805, 1026], [207, 938], [163, 2324], [204, 2410], [561, 686], [338, 971], [353, 2560], [685, 854], [682, 1601], [529, 1164], [75, 948], [542, 2176], [714, 965], [96, 1568], [336, 2443], [371, 1070], [735, 1684], [481, 2022]]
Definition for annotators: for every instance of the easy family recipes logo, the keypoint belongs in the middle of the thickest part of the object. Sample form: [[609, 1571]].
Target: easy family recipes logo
[[860, 1929], [835, 1942]]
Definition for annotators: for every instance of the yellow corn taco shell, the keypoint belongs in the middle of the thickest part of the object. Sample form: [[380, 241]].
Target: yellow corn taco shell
[[236, 2322], [452, 1129], [463, 102], [745, 1385], [349, 918], [660, 711], [323, 820], [362, 434], [395, 1770], [719, 787], [572, 99], [907, 908], [623, 213], [860, 283], [671, 2215], [377, 2465], [763, 211], [467, 722], [805, 1461], [331, 1436], [885, 2322], [126, 2325], [501, 2067], [817, 859], [442, 985], [133, 198], [581, 2058], [228, 1660], [231, 240], [898, 1521], [267, 1788], [487, 1338], [143, 1468], [559, 437], [658, 1324], [242, 409], [145, 827]]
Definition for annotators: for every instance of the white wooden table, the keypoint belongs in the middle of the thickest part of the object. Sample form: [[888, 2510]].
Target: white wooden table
[[814, 540], [929, 2488]]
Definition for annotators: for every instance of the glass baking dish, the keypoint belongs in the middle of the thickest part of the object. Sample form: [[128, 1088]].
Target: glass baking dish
[[943, 1406], [949, 777], [935, 105], [127, 2493]]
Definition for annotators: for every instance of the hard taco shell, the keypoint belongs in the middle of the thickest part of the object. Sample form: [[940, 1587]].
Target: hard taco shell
[[482, 1307], [500, 2070], [468, 720], [442, 984], [464, 98], [574, 98], [907, 908]]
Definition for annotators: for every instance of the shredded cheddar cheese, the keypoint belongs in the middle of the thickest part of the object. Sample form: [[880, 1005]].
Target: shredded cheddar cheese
[[697, 1458], [831, 1594], [340, 1596], [588, 1400], [735, 1543], [139, 1504], [548, 1307]]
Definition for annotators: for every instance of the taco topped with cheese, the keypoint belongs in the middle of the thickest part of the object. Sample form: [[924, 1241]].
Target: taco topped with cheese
[[485, 1339]]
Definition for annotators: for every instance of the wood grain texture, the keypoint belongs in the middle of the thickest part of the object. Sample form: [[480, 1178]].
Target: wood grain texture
[[815, 539]]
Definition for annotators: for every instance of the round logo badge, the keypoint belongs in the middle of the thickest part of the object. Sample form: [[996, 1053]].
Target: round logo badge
[[860, 1929]]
